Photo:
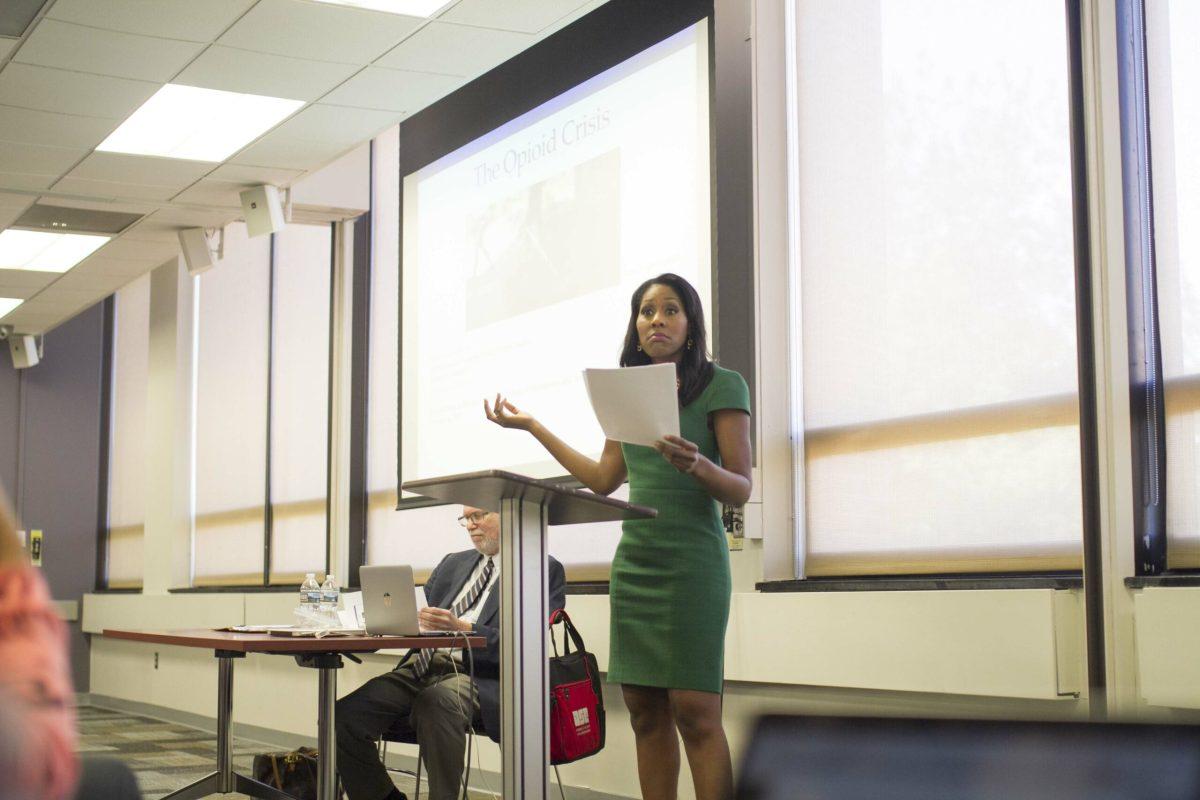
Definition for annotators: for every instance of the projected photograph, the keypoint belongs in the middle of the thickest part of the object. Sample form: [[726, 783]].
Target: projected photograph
[[551, 241]]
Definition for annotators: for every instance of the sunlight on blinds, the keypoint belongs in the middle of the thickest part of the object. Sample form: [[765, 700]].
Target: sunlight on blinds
[[938, 332]]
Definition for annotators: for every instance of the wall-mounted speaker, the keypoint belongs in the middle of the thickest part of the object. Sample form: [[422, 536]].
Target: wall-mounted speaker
[[24, 350], [263, 210], [197, 252]]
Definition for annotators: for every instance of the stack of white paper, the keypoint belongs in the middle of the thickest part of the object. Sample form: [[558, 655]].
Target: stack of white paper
[[637, 405]]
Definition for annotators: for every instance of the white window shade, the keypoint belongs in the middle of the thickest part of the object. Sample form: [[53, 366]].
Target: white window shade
[[300, 402], [937, 283], [1173, 68], [421, 536], [127, 448], [231, 412]]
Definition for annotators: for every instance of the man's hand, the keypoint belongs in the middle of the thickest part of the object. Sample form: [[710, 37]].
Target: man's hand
[[440, 619]]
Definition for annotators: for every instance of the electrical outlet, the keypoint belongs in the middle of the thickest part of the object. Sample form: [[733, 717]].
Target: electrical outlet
[[156, 660]]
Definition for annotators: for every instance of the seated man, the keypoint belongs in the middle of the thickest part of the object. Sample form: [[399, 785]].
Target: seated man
[[430, 689]]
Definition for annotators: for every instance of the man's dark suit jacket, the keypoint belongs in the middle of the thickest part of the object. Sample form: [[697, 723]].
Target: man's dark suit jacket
[[444, 584]]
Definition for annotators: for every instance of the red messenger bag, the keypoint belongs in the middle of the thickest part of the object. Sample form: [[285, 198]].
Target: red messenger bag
[[576, 702]]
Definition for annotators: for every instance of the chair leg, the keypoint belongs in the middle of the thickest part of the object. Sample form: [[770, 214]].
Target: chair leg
[[417, 792]]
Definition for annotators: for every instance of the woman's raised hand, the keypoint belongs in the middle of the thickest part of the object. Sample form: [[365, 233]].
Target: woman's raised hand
[[506, 415]]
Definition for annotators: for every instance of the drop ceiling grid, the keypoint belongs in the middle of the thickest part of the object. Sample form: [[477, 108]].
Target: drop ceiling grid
[[375, 70], [119, 55]]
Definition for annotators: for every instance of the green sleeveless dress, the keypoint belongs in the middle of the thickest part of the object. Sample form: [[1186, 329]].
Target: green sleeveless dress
[[670, 585]]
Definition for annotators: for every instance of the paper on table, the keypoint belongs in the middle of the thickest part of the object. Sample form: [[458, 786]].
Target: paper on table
[[420, 593], [638, 405], [351, 613]]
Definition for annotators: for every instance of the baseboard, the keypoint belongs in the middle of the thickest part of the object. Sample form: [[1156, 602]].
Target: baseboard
[[272, 739]]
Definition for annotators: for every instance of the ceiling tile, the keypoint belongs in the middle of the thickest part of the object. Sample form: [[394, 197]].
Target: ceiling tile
[[233, 69], [53, 295], [130, 250], [244, 173], [67, 92], [70, 201], [94, 281], [392, 89], [149, 170], [38, 160], [24, 182], [123, 55], [316, 135], [8, 216], [23, 283], [527, 16], [171, 19], [56, 130], [193, 218], [148, 230], [6, 46], [567, 19], [114, 190], [14, 200], [129, 268], [318, 31], [213, 193], [33, 323], [455, 49], [300, 153]]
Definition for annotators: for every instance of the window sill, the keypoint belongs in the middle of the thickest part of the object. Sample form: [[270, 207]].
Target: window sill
[[925, 583], [235, 590], [1167, 580]]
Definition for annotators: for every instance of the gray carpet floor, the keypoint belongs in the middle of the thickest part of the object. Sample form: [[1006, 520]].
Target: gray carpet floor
[[166, 756]]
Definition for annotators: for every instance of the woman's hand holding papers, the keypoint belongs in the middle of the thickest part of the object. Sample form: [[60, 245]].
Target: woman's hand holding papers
[[680, 453]]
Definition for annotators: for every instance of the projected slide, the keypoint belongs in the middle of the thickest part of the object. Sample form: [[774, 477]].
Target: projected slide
[[521, 249]]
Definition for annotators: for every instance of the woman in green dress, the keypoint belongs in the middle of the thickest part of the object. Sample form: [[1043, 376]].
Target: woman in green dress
[[670, 585]]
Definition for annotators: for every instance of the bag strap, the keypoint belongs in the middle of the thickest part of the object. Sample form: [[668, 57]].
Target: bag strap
[[275, 770], [560, 615]]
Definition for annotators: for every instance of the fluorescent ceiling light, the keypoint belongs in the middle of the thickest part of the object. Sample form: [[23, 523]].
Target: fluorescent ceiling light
[[42, 251], [197, 124], [412, 8], [7, 304]]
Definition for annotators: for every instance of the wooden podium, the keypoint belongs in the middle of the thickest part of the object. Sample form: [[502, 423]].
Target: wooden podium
[[527, 508]]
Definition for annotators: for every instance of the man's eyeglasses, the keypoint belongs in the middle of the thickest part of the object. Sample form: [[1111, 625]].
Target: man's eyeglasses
[[474, 518]]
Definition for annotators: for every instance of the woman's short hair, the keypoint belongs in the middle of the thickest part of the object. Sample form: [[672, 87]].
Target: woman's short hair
[[695, 370]]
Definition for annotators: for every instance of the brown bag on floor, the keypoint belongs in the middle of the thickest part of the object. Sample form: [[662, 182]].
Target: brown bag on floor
[[294, 772]]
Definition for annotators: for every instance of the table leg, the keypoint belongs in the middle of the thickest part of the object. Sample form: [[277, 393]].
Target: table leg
[[225, 721], [326, 742], [327, 665], [225, 780], [524, 615]]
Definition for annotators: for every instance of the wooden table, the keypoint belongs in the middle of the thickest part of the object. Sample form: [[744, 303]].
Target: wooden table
[[324, 655]]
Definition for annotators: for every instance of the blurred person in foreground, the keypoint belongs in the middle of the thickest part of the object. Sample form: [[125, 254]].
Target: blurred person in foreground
[[38, 760]]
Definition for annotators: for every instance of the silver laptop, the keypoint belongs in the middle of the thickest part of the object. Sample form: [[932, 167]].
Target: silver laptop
[[389, 600]]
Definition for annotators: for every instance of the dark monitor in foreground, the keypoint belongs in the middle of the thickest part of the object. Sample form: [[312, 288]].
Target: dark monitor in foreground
[[849, 758]]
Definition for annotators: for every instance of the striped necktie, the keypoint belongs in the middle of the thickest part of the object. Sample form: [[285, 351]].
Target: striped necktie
[[423, 656]]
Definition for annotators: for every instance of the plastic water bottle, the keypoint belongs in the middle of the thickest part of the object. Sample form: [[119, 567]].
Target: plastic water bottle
[[329, 598], [310, 595]]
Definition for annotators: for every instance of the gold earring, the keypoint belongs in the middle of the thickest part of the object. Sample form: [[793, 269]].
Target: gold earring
[[689, 343], [639, 347]]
